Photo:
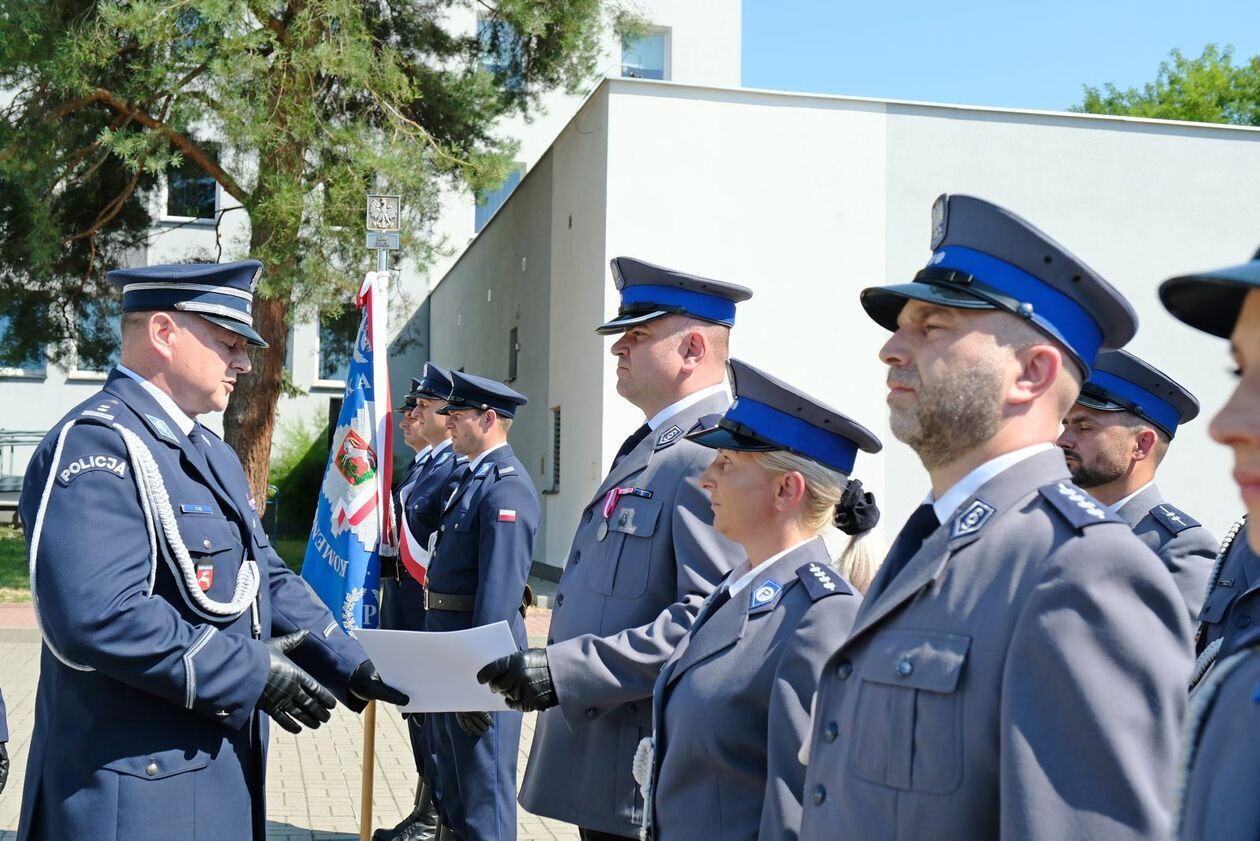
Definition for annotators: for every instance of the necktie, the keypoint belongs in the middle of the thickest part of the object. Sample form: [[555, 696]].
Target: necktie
[[909, 540], [631, 442]]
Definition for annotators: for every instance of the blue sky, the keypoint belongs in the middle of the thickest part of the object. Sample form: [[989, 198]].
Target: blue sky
[[980, 52]]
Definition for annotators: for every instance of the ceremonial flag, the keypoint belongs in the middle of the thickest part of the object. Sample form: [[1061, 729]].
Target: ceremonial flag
[[352, 516]]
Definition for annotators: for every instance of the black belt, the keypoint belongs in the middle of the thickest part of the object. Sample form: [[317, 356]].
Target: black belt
[[390, 568], [448, 601]]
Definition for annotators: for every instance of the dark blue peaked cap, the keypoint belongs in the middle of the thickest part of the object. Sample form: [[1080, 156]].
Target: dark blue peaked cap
[[768, 414], [472, 392], [1210, 301], [434, 383], [986, 257], [1121, 382], [649, 292], [219, 292]]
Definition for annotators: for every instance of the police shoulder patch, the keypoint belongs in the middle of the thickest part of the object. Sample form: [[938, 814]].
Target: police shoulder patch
[[483, 469], [88, 463], [442, 459], [971, 519], [669, 436], [821, 580], [1173, 518], [1077, 507], [765, 593], [161, 427]]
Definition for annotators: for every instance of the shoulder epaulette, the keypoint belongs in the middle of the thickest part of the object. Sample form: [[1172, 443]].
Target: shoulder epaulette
[[103, 410], [706, 422], [1077, 507], [1173, 518], [501, 470], [821, 580]]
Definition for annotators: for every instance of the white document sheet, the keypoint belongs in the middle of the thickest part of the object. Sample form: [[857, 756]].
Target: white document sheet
[[438, 671]]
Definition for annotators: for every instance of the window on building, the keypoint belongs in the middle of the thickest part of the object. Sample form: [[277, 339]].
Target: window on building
[[190, 192], [555, 449], [644, 56], [98, 336], [514, 350], [489, 203], [337, 335], [503, 52], [30, 365]]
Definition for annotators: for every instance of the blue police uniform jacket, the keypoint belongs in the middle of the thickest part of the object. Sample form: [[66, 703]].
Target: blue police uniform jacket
[[485, 545], [145, 724]]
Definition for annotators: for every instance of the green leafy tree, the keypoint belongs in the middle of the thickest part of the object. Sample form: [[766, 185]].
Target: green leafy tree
[[296, 108], [1207, 89]]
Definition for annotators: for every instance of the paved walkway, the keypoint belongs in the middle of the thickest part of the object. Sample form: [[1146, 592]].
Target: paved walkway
[[314, 778]]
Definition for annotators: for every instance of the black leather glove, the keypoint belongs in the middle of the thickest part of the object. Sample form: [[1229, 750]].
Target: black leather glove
[[524, 678], [474, 724], [4, 766], [292, 697], [366, 685]]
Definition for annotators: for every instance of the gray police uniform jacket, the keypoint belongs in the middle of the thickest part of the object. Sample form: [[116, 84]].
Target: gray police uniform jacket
[[623, 603], [731, 708], [4, 721], [1185, 547], [145, 725], [1022, 678], [1221, 776]]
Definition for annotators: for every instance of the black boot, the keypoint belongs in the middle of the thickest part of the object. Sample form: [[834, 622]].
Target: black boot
[[417, 826]]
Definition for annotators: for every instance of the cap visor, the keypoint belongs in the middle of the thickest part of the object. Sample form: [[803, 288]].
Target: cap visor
[[236, 327], [622, 322], [1210, 302], [719, 438], [1089, 401], [884, 303]]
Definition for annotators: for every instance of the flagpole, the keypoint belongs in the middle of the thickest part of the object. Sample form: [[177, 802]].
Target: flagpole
[[384, 218]]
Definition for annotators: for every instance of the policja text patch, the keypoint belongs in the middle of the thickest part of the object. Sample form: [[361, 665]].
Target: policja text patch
[[85, 464]]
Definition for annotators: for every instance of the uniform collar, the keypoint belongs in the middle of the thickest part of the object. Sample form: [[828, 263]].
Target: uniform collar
[[421, 456], [1115, 509], [966, 487], [747, 577], [678, 405], [164, 401], [436, 449], [475, 463]]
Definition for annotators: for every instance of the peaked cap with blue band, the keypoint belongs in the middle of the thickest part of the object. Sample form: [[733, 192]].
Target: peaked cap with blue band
[[649, 292], [219, 292], [469, 391], [985, 257], [768, 414], [1210, 301], [1121, 382]]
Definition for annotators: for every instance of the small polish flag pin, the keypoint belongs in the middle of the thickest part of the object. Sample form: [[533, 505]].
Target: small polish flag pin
[[507, 515]]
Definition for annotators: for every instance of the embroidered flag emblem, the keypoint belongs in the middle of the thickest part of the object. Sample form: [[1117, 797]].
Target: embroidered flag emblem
[[507, 515], [205, 577]]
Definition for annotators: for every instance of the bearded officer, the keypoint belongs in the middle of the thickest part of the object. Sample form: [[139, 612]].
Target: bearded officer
[[430, 479], [477, 576], [1114, 440], [169, 623], [1017, 670], [644, 557], [1223, 732]]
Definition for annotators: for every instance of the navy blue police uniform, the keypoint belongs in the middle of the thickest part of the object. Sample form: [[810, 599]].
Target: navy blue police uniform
[[1220, 771], [430, 479], [1120, 382], [477, 576], [154, 586], [731, 708]]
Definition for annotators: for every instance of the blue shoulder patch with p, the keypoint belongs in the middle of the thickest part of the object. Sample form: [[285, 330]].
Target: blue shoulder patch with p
[[1077, 507], [766, 592], [820, 580], [1173, 518]]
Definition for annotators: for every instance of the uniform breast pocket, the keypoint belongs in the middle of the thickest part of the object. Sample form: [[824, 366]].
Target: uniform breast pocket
[[623, 560], [909, 715], [1214, 606], [214, 547]]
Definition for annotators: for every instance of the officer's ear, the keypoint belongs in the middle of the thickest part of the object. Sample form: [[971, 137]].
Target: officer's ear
[[163, 333], [789, 490], [1144, 444], [1037, 373]]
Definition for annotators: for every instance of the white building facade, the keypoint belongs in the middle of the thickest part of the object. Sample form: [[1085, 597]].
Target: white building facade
[[808, 199]]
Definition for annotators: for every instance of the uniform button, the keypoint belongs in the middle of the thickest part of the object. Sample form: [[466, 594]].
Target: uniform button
[[820, 795], [559, 599], [151, 769], [844, 670], [904, 668], [206, 542], [832, 732], [442, 527], [1244, 621], [592, 712]]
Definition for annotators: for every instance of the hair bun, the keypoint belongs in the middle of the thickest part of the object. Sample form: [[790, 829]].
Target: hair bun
[[856, 512]]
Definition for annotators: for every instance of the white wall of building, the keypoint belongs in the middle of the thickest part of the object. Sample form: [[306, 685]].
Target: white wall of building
[[807, 199]]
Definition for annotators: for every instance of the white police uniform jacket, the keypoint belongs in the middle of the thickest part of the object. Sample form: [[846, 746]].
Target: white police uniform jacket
[[1185, 546], [731, 708], [145, 724], [623, 603], [1023, 677]]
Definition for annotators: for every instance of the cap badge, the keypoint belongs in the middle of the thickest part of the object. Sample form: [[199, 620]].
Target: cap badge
[[940, 221], [253, 281]]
